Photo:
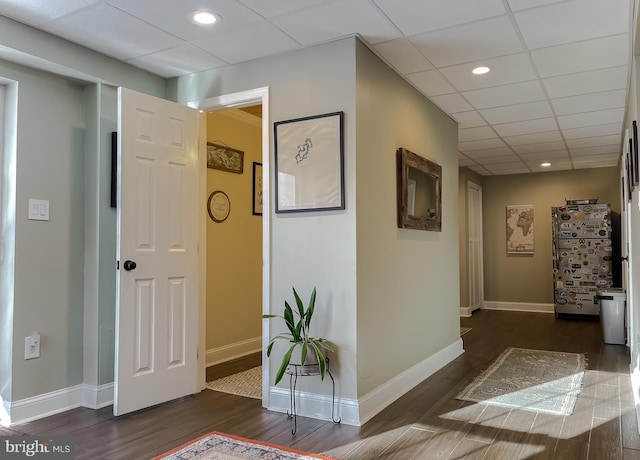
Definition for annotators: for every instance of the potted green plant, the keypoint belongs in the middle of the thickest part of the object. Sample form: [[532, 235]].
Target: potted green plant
[[298, 322]]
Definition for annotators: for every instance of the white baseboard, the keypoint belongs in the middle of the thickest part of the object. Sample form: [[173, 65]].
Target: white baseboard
[[520, 306], [54, 402], [233, 351], [314, 406], [96, 397], [375, 401]]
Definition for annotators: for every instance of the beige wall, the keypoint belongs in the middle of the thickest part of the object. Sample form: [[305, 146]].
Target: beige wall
[[407, 280], [234, 247], [465, 175], [528, 278]]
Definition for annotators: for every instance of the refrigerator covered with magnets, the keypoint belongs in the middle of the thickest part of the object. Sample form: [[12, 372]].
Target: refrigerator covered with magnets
[[582, 255]]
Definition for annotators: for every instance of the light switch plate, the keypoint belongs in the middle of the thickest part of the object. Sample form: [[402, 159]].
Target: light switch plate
[[38, 209]]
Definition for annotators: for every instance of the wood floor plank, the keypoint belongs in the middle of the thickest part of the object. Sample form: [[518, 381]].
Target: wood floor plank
[[470, 450], [510, 439], [543, 436], [606, 439], [407, 445]]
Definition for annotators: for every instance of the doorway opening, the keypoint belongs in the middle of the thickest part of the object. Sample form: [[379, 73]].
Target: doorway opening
[[247, 101]]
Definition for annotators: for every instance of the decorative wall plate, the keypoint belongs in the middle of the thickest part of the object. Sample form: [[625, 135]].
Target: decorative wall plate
[[218, 206]]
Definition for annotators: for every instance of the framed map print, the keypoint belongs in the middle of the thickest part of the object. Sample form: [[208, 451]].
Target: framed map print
[[520, 229]]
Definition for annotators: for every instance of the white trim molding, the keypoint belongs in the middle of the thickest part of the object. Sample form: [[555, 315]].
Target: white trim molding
[[54, 402], [375, 401], [520, 306], [232, 351], [315, 406]]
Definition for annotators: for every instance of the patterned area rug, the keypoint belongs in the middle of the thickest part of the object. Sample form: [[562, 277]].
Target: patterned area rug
[[220, 446], [247, 383], [535, 380]]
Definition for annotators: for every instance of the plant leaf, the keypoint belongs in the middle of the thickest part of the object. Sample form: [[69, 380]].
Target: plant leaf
[[288, 318], [303, 353], [299, 303], [285, 362], [311, 308]]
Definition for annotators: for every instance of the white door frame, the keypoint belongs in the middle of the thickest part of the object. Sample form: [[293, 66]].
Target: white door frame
[[239, 99], [475, 265]]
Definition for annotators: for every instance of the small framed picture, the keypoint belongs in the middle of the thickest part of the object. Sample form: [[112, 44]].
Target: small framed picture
[[224, 158]]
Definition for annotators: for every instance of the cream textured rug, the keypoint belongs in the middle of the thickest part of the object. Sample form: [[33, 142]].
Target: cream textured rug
[[536, 380], [247, 383]]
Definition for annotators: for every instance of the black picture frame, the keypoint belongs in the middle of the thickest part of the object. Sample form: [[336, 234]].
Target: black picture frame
[[309, 163], [627, 166], [256, 206], [114, 169], [634, 162]]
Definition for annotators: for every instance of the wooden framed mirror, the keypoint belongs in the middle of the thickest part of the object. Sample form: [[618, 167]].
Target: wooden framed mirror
[[419, 187]]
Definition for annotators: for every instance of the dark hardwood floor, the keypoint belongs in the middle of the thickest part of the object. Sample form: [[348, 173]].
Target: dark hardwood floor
[[426, 423]]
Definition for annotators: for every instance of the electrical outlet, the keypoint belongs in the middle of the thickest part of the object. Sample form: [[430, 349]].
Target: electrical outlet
[[32, 346]]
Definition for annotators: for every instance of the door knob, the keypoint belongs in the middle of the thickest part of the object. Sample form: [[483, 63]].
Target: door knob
[[129, 265]]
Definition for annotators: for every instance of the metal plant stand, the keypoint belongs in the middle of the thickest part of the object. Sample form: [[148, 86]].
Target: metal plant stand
[[299, 370]]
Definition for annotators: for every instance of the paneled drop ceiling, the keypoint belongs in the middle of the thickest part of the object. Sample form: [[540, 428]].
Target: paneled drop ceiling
[[556, 92]]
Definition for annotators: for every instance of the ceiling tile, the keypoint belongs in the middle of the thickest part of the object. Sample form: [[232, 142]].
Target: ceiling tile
[[40, 11], [403, 56], [329, 21], [555, 156], [452, 103], [480, 170], [516, 93], [591, 118], [593, 141], [474, 134], [470, 42], [539, 147], [469, 119], [573, 21], [598, 150], [277, 7], [467, 147], [107, 28], [417, 16], [582, 56], [534, 138], [559, 166], [589, 102], [524, 4], [238, 46], [511, 160], [587, 82], [600, 130], [526, 127], [504, 70], [489, 153], [180, 60], [602, 161], [431, 83], [174, 17], [528, 111]]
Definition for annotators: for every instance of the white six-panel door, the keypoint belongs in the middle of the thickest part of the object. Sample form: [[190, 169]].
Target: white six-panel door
[[157, 301]]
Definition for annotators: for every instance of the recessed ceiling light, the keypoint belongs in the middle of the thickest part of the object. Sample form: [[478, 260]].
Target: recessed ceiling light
[[204, 17], [480, 70], [545, 165]]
